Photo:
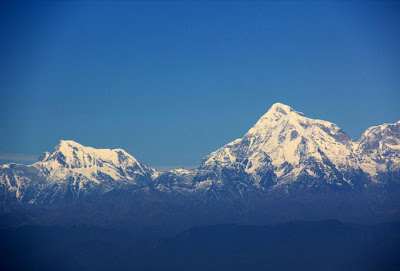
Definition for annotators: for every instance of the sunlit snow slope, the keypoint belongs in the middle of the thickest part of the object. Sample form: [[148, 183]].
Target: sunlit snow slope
[[283, 151]]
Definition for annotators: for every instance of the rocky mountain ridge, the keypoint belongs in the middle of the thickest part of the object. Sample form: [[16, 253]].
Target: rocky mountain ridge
[[284, 153]]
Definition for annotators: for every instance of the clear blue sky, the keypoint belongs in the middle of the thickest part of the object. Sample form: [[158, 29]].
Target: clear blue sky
[[172, 82]]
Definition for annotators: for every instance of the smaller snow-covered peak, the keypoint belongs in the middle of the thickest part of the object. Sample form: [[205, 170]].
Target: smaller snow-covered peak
[[72, 154], [381, 139], [380, 127], [65, 144], [73, 160], [278, 110], [280, 107], [381, 130], [378, 148]]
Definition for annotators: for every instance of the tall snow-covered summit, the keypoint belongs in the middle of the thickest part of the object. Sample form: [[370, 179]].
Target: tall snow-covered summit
[[286, 149]]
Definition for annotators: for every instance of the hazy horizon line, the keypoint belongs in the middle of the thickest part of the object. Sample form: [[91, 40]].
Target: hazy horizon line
[[26, 159]]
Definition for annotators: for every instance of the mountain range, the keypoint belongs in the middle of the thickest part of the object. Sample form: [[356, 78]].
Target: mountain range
[[285, 157]]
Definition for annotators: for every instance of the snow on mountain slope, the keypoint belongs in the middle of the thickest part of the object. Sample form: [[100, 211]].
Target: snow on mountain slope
[[73, 170], [175, 180], [378, 149], [283, 151], [19, 184], [71, 158], [293, 145]]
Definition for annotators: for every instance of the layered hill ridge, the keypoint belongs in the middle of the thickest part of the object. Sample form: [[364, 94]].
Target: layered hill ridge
[[283, 152]]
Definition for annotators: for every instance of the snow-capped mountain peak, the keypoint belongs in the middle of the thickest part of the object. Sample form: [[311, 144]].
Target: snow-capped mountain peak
[[283, 151], [79, 170], [71, 154], [75, 171], [380, 138], [280, 116], [280, 109], [275, 115], [378, 149], [293, 143]]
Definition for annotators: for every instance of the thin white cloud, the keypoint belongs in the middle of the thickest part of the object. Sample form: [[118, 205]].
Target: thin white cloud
[[18, 157], [162, 168]]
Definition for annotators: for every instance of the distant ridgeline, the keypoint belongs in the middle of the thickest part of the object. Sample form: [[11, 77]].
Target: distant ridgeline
[[287, 166]]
